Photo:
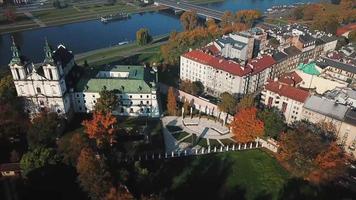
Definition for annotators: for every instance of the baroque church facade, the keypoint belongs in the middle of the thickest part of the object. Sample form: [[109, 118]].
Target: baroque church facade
[[59, 85]]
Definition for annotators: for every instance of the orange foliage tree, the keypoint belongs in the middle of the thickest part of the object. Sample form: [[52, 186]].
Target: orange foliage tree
[[329, 164], [101, 127], [171, 102], [246, 127]]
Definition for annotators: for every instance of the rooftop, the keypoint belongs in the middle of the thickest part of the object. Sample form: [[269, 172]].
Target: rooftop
[[292, 51], [291, 78], [333, 63], [309, 68], [291, 92], [326, 107], [139, 80]]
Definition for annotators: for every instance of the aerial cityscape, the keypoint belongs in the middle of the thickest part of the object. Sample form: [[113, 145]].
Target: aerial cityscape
[[177, 99]]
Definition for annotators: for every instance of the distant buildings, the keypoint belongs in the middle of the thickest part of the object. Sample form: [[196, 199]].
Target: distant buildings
[[58, 85]]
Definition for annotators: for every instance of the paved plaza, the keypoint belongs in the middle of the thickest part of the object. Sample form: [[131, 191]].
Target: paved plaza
[[181, 133]]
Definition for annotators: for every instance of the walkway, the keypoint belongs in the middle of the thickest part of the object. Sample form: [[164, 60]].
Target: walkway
[[36, 20]]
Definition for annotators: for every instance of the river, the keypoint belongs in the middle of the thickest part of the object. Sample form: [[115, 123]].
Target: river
[[89, 35]]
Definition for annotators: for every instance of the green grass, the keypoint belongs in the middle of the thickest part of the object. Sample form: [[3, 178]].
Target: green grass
[[173, 128], [249, 174], [202, 142], [227, 141], [214, 143], [190, 139], [180, 135]]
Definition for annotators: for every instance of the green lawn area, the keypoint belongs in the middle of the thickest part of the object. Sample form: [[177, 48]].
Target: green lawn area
[[202, 142], [173, 128], [190, 139], [251, 174], [180, 135], [227, 141], [214, 143]]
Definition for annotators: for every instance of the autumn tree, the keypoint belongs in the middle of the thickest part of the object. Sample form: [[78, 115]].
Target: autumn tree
[[143, 37], [273, 121], [70, 146], [107, 101], [298, 13], [7, 89], [101, 128], [246, 127], [212, 27], [119, 193], [186, 106], [189, 20], [352, 36], [227, 103], [193, 88], [247, 101], [330, 164], [44, 130], [311, 11], [248, 16], [227, 19], [171, 102], [37, 158], [326, 22], [93, 176]]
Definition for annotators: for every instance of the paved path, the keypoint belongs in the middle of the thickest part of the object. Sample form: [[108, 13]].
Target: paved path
[[36, 20]]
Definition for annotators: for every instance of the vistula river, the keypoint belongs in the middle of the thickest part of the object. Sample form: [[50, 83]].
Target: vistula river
[[85, 36]]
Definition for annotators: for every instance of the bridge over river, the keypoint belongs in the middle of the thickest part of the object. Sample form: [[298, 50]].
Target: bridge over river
[[201, 11]]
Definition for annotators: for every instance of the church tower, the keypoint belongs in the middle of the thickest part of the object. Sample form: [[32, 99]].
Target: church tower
[[18, 70]]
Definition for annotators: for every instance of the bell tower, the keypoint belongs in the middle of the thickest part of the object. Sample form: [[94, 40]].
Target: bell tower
[[17, 68], [49, 67]]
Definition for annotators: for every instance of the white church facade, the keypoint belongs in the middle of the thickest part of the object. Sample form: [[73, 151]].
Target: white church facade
[[58, 85]]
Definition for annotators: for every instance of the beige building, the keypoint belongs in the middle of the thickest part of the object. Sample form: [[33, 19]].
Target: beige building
[[318, 109]]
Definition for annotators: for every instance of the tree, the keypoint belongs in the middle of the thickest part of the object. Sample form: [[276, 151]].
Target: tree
[[273, 121], [93, 176], [247, 101], [246, 127], [44, 130], [186, 106], [189, 20], [248, 16], [310, 11], [10, 13], [212, 27], [171, 102], [326, 22], [143, 37], [37, 158], [7, 89], [101, 128], [12, 122], [70, 146], [298, 13], [107, 101], [352, 36], [119, 193], [331, 163], [227, 19], [228, 103], [193, 88]]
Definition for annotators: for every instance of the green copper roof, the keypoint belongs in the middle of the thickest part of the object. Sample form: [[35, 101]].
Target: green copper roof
[[138, 81], [309, 68]]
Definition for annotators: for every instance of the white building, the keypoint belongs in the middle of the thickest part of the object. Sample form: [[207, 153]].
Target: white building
[[286, 98], [135, 87], [236, 45], [58, 85], [219, 75], [43, 85]]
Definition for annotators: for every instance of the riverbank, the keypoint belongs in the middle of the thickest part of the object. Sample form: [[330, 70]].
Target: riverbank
[[76, 13], [116, 53]]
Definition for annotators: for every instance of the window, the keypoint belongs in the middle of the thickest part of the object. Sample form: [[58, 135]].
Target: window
[[130, 96], [38, 90], [284, 107], [148, 96], [50, 74], [131, 110], [80, 108], [83, 95], [140, 96], [148, 102]]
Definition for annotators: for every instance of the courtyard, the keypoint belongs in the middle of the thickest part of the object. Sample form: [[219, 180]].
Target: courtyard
[[180, 134]]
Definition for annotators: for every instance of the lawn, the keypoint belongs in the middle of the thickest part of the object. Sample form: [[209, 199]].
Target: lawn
[[251, 174], [202, 142], [173, 128], [180, 135], [227, 141], [190, 139], [214, 143]]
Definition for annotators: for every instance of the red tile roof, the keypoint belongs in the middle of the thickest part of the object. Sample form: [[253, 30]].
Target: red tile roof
[[296, 94], [254, 66], [212, 49], [290, 78], [345, 29]]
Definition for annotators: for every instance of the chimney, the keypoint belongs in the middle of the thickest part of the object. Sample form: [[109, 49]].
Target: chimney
[[280, 86]]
